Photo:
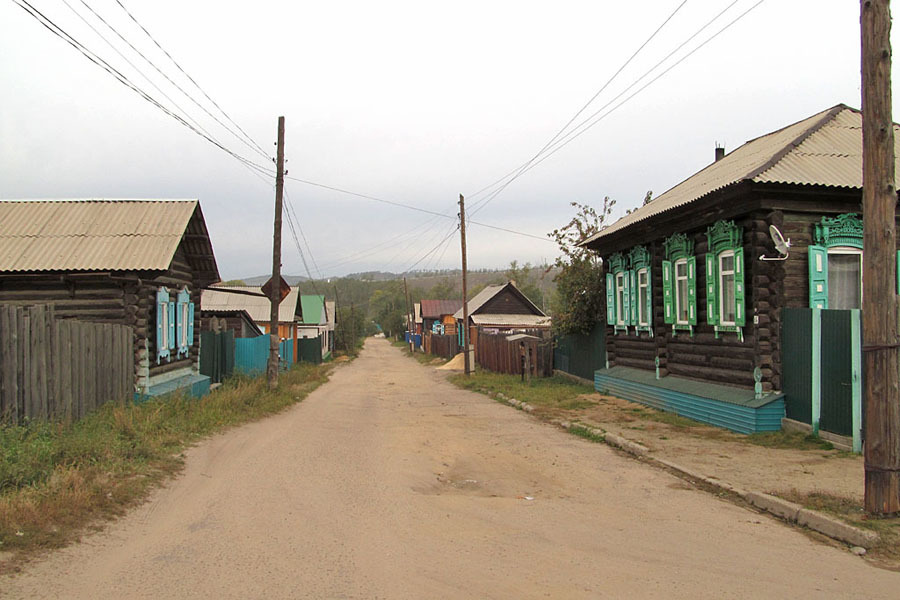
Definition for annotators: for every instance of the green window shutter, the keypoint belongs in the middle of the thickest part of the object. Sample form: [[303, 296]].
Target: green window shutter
[[712, 290], [162, 328], [740, 317], [692, 289], [634, 297], [610, 299], [190, 327], [818, 277], [668, 292], [626, 298], [649, 298]]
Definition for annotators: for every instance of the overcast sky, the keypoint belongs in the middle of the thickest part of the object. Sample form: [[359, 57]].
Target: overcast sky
[[413, 102]]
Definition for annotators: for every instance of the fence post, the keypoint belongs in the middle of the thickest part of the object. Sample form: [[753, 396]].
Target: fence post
[[816, 384]]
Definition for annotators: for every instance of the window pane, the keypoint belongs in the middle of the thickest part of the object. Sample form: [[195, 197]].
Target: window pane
[[642, 304], [681, 269], [843, 281], [642, 277], [728, 263], [728, 304], [681, 301]]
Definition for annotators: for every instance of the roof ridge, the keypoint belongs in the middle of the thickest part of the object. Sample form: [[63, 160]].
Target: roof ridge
[[830, 114]]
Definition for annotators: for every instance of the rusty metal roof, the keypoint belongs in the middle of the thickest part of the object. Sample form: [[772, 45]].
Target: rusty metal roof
[[98, 235], [258, 307], [435, 309], [824, 149]]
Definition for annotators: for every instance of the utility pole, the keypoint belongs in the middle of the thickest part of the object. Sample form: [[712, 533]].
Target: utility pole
[[881, 342], [410, 326], [465, 325], [337, 305], [275, 291]]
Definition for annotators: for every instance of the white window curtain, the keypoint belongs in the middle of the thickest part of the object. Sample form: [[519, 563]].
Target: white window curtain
[[844, 279]]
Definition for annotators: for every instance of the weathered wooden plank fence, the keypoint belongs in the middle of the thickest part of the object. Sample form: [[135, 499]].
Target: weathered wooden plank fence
[[59, 368], [495, 352], [445, 346]]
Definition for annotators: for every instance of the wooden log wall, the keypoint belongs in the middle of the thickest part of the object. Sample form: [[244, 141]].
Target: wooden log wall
[[52, 368], [725, 359]]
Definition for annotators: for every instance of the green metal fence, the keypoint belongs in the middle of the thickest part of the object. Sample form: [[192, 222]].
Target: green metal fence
[[310, 350], [822, 370], [581, 355], [217, 355]]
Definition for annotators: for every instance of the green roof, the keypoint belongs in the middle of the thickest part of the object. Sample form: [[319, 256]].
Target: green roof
[[313, 308]]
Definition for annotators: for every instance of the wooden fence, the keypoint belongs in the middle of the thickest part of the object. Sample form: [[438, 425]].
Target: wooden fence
[[59, 368], [446, 346], [496, 352]]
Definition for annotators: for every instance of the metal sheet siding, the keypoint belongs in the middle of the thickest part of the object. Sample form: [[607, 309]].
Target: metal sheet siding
[[91, 235], [742, 419], [258, 307]]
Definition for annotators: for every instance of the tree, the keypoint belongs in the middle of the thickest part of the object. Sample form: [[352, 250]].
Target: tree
[[445, 289], [580, 292], [524, 278]]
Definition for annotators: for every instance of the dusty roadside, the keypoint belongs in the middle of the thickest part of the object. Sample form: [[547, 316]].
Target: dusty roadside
[[791, 466]]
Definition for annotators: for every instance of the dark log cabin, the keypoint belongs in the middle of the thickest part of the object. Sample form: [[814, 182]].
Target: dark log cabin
[[690, 301], [140, 263]]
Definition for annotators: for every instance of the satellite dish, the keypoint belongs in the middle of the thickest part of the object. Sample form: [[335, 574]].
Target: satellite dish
[[783, 246]]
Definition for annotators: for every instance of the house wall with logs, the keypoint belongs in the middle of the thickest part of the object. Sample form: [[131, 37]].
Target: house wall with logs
[[126, 298], [770, 286]]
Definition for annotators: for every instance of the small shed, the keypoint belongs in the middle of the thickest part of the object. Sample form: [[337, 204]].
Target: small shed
[[140, 263]]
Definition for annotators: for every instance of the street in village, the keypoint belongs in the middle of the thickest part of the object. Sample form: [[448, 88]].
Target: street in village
[[389, 482]]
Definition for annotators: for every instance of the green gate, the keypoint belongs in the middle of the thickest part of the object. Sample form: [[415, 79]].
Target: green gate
[[822, 370], [217, 355], [310, 350], [838, 350]]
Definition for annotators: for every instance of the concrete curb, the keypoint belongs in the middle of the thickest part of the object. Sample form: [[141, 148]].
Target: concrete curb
[[787, 511]]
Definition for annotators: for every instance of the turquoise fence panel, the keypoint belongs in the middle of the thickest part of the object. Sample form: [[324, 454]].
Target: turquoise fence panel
[[286, 352], [251, 355], [581, 355]]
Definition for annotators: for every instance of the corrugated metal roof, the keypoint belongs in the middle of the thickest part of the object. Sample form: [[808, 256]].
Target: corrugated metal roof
[[435, 309], [258, 307], [313, 309], [91, 235], [824, 149], [511, 320]]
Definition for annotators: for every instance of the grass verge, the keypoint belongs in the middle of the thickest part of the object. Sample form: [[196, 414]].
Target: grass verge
[[850, 510], [57, 479], [555, 392], [425, 359]]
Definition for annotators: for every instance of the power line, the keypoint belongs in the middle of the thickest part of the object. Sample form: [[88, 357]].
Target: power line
[[56, 30], [575, 133], [191, 79], [572, 135], [581, 110]]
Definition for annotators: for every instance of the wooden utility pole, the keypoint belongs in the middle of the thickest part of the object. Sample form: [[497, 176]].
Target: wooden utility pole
[[410, 326], [275, 291], [465, 325], [881, 342]]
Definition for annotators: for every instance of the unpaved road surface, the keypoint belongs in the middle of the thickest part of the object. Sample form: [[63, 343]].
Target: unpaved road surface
[[390, 483]]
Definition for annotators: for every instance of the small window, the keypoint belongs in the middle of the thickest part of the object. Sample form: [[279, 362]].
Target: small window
[[185, 319], [620, 298], [844, 278], [681, 292], [164, 340], [727, 306], [643, 297]]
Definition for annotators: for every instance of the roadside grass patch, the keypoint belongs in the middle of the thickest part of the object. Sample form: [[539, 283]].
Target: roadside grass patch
[[547, 393], [852, 511], [793, 440], [57, 479], [423, 358], [586, 432]]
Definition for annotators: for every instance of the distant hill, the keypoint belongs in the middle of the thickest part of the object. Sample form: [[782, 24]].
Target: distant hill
[[261, 279]]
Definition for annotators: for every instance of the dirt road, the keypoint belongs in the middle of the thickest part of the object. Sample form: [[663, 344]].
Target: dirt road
[[390, 483]]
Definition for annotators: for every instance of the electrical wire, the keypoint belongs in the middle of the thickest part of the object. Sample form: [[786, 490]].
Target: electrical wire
[[56, 30], [474, 206], [191, 79]]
